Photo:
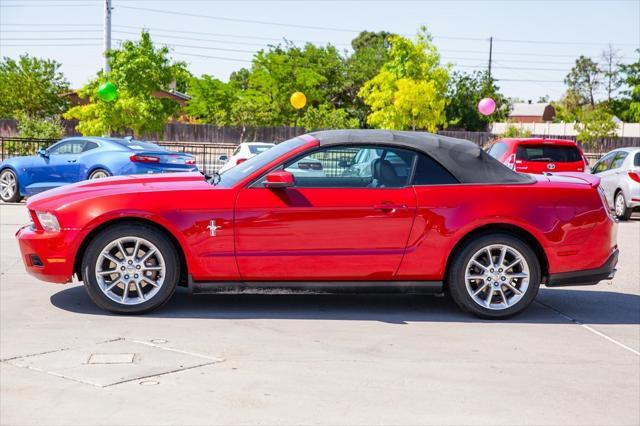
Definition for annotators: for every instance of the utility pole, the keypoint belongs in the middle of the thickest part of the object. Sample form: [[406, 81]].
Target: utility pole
[[107, 34], [490, 54]]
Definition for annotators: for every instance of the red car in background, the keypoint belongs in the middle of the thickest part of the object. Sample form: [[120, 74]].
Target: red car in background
[[423, 214], [536, 155]]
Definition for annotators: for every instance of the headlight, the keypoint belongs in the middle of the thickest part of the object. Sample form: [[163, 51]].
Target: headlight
[[48, 221]]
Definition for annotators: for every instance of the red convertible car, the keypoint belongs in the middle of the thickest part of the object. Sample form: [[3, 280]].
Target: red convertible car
[[345, 210]]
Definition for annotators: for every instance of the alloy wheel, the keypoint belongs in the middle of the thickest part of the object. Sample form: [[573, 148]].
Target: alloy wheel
[[620, 205], [130, 270], [99, 175], [8, 185], [497, 276]]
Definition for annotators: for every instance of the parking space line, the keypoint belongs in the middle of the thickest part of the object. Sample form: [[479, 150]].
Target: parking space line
[[591, 329]]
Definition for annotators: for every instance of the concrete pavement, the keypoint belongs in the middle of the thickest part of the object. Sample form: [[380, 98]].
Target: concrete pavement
[[572, 358]]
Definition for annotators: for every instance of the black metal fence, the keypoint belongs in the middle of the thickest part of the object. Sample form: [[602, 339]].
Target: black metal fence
[[207, 154]]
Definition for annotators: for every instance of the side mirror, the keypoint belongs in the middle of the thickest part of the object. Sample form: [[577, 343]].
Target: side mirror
[[279, 179], [223, 157], [43, 153]]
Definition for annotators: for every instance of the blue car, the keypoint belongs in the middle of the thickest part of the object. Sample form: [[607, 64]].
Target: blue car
[[79, 158]]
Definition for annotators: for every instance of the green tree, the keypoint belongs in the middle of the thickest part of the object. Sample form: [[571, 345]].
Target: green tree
[[410, 66], [327, 117], [38, 127], [513, 131], [211, 100], [138, 69], [594, 124], [31, 86], [628, 107], [568, 107], [314, 70], [584, 79], [250, 110], [464, 93], [370, 52]]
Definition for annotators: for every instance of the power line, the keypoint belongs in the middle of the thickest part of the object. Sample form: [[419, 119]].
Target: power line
[[200, 47]]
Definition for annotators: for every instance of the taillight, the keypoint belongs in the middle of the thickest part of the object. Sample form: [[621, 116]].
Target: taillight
[[144, 159], [511, 162], [634, 176], [240, 161], [190, 161]]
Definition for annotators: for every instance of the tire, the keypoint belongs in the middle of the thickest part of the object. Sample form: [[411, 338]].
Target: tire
[[108, 292], [99, 173], [461, 287], [9, 186], [620, 208]]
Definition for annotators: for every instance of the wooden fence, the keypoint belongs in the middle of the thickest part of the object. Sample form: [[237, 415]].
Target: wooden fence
[[187, 133]]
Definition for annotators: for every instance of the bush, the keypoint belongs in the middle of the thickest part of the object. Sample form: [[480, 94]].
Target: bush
[[39, 128], [513, 131]]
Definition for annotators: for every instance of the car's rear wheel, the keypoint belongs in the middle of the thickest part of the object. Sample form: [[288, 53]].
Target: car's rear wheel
[[9, 187], [99, 173], [620, 207], [130, 269], [494, 276]]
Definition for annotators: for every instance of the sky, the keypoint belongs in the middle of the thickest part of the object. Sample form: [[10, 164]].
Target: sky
[[535, 42]]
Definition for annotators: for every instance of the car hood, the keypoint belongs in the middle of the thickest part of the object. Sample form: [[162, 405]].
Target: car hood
[[118, 185]]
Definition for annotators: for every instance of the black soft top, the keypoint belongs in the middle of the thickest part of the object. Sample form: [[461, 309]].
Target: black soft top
[[465, 160]]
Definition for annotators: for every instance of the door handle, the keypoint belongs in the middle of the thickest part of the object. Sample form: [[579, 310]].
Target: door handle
[[71, 161], [390, 208]]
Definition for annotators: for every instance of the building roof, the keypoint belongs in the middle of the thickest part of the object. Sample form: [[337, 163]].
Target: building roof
[[528, 110], [464, 159]]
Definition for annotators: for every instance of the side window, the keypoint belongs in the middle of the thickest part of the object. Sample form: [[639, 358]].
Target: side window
[[604, 163], [88, 146], [353, 167], [430, 172], [497, 150], [68, 147], [619, 159]]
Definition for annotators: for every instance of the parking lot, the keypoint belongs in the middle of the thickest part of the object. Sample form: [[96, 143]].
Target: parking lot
[[573, 357]]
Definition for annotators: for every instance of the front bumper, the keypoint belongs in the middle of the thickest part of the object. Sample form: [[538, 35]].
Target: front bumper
[[586, 277], [48, 256]]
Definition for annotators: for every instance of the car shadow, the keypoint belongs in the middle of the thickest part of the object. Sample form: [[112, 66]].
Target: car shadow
[[587, 306]]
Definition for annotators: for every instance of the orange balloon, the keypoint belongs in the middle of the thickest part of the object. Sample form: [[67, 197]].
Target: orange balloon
[[298, 100]]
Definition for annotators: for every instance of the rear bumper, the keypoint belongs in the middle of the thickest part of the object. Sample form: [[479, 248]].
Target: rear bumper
[[48, 256], [586, 277]]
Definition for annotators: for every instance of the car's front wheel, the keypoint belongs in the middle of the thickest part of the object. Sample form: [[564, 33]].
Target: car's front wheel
[[9, 186], [130, 268], [494, 276], [620, 207]]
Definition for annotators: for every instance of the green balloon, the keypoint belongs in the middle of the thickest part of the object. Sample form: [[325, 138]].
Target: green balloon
[[108, 92]]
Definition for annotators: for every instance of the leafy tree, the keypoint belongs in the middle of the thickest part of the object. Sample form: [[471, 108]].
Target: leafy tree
[[594, 124], [370, 52], [251, 110], [610, 71], [39, 128], [314, 70], [138, 69], [629, 107], [410, 66], [326, 117], [464, 93], [211, 100], [31, 86], [584, 79], [568, 107]]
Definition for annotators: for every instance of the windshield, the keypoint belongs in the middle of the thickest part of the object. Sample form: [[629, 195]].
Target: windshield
[[244, 169], [548, 153]]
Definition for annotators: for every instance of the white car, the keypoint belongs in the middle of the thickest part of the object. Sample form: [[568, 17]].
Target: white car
[[619, 172], [243, 152]]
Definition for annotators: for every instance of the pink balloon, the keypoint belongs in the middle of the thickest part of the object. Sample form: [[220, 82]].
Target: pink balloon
[[486, 106]]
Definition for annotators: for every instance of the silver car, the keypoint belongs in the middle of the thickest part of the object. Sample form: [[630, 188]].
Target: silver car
[[619, 171]]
